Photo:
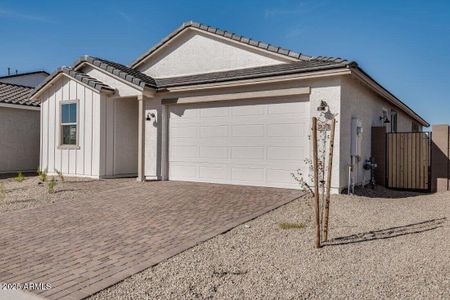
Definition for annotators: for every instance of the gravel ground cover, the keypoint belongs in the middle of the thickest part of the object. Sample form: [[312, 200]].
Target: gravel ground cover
[[383, 244], [31, 192]]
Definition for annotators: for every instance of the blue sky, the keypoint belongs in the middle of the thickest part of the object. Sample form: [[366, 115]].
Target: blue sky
[[405, 45]]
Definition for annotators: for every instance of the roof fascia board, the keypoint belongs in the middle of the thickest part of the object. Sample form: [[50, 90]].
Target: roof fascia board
[[172, 37], [20, 106], [135, 86], [258, 81], [375, 86], [57, 77]]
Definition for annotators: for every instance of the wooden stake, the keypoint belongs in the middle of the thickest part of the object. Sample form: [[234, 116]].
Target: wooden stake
[[316, 179], [329, 172]]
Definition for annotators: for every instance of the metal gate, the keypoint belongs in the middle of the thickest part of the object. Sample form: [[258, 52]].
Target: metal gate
[[408, 161]]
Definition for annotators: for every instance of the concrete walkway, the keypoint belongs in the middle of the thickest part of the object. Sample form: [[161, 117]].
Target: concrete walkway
[[81, 247]]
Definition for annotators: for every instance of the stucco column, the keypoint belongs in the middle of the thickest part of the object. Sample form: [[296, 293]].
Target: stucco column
[[440, 158], [141, 138]]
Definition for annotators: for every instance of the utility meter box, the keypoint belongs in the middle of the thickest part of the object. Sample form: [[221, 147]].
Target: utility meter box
[[356, 136]]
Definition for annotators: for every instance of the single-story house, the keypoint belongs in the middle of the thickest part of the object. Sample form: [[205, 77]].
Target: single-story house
[[207, 105], [19, 129]]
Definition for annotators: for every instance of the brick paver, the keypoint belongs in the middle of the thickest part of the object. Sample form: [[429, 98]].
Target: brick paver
[[81, 247]]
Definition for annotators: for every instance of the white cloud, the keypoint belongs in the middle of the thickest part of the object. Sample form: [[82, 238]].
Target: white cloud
[[125, 16], [16, 15]]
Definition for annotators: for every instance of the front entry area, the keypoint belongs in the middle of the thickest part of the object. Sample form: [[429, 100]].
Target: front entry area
[[244, 142]]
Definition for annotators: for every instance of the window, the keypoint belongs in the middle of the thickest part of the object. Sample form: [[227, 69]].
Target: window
[[69, 123], [415, 127], [393, 121]]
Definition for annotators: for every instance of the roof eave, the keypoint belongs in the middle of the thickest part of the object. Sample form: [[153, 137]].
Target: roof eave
[[84, 60], [377, 87]]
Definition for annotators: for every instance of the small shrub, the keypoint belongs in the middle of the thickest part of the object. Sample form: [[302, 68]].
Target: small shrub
[[2, 191], [60, 174], [51, 185], [42, 175], [20, 177], [291, 225]]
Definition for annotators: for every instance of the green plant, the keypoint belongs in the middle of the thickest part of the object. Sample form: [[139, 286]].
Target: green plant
[[291, 225], [60, 174], [42, 175], [20, 177], [2, 191], [51, 185]]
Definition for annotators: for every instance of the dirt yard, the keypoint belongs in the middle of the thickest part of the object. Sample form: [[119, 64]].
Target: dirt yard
[[386, 245], [32, 192]]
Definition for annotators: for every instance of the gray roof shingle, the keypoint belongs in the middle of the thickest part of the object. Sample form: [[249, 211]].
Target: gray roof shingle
[[16, 94], [122, 71], [226, 34], [82, 77], [255, 72]]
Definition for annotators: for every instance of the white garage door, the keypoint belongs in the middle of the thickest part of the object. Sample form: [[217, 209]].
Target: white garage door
[[244, 142]]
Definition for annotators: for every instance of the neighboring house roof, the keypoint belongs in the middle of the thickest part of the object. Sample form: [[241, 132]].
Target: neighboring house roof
[[16, 94], [223, 33], [255, 72], [24, 74], [122, 71], [82, 77]]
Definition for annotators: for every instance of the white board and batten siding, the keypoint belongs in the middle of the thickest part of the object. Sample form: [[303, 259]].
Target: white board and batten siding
[[107, 133], [74, 162], [256, 143]]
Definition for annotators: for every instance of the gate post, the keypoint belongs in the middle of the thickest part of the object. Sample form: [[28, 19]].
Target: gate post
[[440, 158], [378, 150]]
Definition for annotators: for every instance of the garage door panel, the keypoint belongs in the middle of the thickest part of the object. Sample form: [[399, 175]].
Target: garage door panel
[[284, 153], [247, 175], [249, 152], [180, 152], [183, 114], [184, 132], [259, 144], [248, 130], [213, 112], [289, 130], [213, 152], [216, 172], [249, 110], [183, 171], [214, 131]]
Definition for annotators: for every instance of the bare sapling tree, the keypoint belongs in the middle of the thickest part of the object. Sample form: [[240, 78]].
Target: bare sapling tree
[[319, 169]]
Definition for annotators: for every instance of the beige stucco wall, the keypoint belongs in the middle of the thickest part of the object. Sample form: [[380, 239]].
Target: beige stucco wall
[[194, 52], [19, 140], [358, 101]]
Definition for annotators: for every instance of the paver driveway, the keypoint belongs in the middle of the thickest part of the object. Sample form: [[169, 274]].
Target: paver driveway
[[83, 246]]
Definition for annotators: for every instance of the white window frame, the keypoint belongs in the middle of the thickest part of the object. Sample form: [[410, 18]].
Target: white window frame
[[394, 113], [61, 124]]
